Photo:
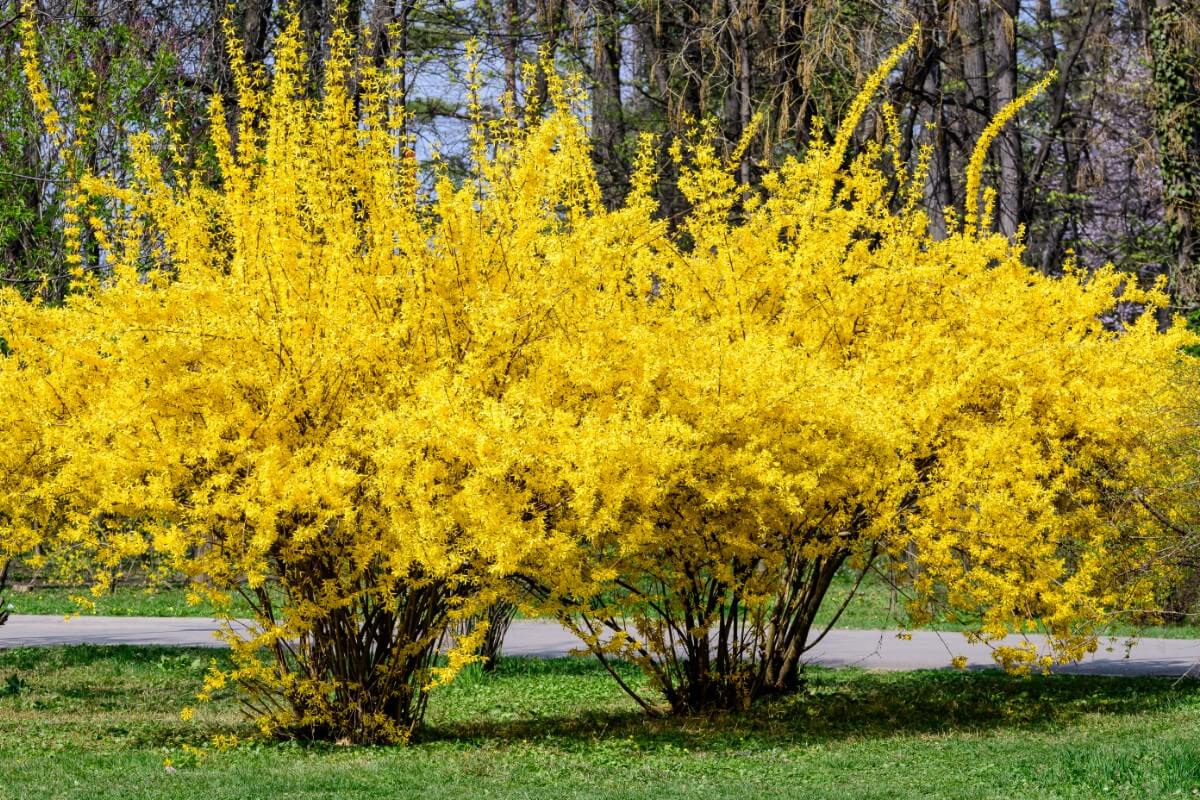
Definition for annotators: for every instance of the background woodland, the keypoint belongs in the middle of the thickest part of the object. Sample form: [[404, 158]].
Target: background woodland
[[1103, 166]]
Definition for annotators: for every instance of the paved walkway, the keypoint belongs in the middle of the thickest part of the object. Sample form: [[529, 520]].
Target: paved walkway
[[867, 649]]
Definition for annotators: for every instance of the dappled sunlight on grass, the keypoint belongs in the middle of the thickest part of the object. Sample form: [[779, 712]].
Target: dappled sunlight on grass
[[562, 699], [74, 719]]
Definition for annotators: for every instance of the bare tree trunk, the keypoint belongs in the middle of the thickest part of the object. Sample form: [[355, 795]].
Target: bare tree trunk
[[3, 588], [1009, 198], [741, 104], [974, 67], [1175, 49], [256, 26], [795, 108], [939, 193], [608, 117], [1067, 113]]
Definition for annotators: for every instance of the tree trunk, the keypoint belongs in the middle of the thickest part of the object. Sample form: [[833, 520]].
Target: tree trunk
[[256, 25], [608, 119], [1011, 183], [740, 90], [4, 565], [1175, 50], [939, 194], [795, 111], [974, 68]]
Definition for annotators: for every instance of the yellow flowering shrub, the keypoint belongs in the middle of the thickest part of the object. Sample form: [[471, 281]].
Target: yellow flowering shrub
[[311, 384], [371, 407], [813, 383]]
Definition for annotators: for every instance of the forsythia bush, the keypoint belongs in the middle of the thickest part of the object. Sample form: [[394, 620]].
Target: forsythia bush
[[371, 407], [311, 384], [817, 383]]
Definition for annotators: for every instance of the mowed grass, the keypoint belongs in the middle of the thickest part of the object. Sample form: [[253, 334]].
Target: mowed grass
[[90, 722], [121, 601]]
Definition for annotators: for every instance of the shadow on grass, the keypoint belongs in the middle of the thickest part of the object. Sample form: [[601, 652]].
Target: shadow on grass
[[836, 705], [571, 703], [91, 655]]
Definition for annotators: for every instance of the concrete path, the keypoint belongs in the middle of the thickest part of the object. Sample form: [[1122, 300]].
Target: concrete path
[[866, 649], [29, 630]]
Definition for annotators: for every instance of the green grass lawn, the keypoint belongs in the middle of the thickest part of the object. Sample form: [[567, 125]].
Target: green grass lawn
[[91, 722], [122, 601], [878, 605], [874, 606]]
